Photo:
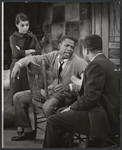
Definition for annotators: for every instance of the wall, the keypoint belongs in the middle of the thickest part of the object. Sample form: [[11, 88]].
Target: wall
[[106, 23], [80, 19], [70, 18]]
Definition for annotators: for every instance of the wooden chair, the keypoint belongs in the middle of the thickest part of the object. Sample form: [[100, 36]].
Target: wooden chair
[[89, 143], [38, 88], [75, 139]]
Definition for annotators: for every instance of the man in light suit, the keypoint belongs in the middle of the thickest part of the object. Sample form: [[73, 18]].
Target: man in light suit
[[63, 63], [96, 111]]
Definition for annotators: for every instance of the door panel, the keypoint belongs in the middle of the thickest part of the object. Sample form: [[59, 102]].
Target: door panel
[[106, 23]]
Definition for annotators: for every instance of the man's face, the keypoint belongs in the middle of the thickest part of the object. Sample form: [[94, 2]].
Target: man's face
[[66, 48]]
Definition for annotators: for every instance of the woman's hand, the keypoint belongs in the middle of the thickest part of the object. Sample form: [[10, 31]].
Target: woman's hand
[[18, 47], [28, 52]]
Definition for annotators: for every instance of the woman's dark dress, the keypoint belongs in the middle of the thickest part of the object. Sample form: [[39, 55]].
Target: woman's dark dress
[[24, 42]]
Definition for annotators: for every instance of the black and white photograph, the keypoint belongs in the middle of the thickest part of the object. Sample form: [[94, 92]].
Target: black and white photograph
[[60, 74]]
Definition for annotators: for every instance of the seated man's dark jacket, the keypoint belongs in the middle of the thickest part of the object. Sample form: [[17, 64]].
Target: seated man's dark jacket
[[100, 95]]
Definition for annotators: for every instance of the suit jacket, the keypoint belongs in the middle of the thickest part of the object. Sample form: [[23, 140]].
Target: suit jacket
[[100, 90]]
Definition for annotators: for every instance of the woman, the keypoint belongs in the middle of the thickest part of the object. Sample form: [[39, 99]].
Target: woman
[[23, 43]]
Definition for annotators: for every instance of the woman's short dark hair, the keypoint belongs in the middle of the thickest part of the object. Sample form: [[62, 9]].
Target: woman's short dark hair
[[68, 37], [21, 17], [93, 42]]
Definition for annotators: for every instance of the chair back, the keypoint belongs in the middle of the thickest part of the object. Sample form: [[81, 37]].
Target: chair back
[[37, 83]]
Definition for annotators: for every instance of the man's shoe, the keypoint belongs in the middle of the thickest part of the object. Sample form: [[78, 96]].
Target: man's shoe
[[25, 136]]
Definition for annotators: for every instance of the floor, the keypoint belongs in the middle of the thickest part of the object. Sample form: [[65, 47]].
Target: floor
[[9, 132]]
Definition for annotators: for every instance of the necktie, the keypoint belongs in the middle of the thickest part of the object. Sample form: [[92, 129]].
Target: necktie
[[60, 68]]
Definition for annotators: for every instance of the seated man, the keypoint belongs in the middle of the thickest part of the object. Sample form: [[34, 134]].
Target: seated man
[[96, 111], [63, 63]]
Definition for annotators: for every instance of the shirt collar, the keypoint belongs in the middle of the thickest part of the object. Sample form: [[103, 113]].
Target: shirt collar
[[22, 35], [96, 56], [64, 60]]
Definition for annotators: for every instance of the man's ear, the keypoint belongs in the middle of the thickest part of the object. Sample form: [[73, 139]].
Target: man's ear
[[16, 25], [59, 45]]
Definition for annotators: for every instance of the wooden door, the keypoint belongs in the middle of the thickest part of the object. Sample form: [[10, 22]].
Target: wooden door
[[106, 23]]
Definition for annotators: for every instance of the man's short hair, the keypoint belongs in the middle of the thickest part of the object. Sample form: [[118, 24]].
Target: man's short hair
[[93, 42], [68, 37]]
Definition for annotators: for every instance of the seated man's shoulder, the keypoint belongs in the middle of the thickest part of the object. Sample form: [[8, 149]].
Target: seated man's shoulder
[[81, 60], [54, 53]]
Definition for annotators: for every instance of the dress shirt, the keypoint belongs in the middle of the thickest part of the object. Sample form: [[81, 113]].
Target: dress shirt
[[64, 60]]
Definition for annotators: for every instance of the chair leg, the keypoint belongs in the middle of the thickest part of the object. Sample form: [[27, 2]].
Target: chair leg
[[71, 143], [35, 122], [79, 137], [87, 142]]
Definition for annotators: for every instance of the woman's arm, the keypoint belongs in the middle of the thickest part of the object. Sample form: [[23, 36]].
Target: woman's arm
[[37, 47], [16, 52], [29, 52]]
